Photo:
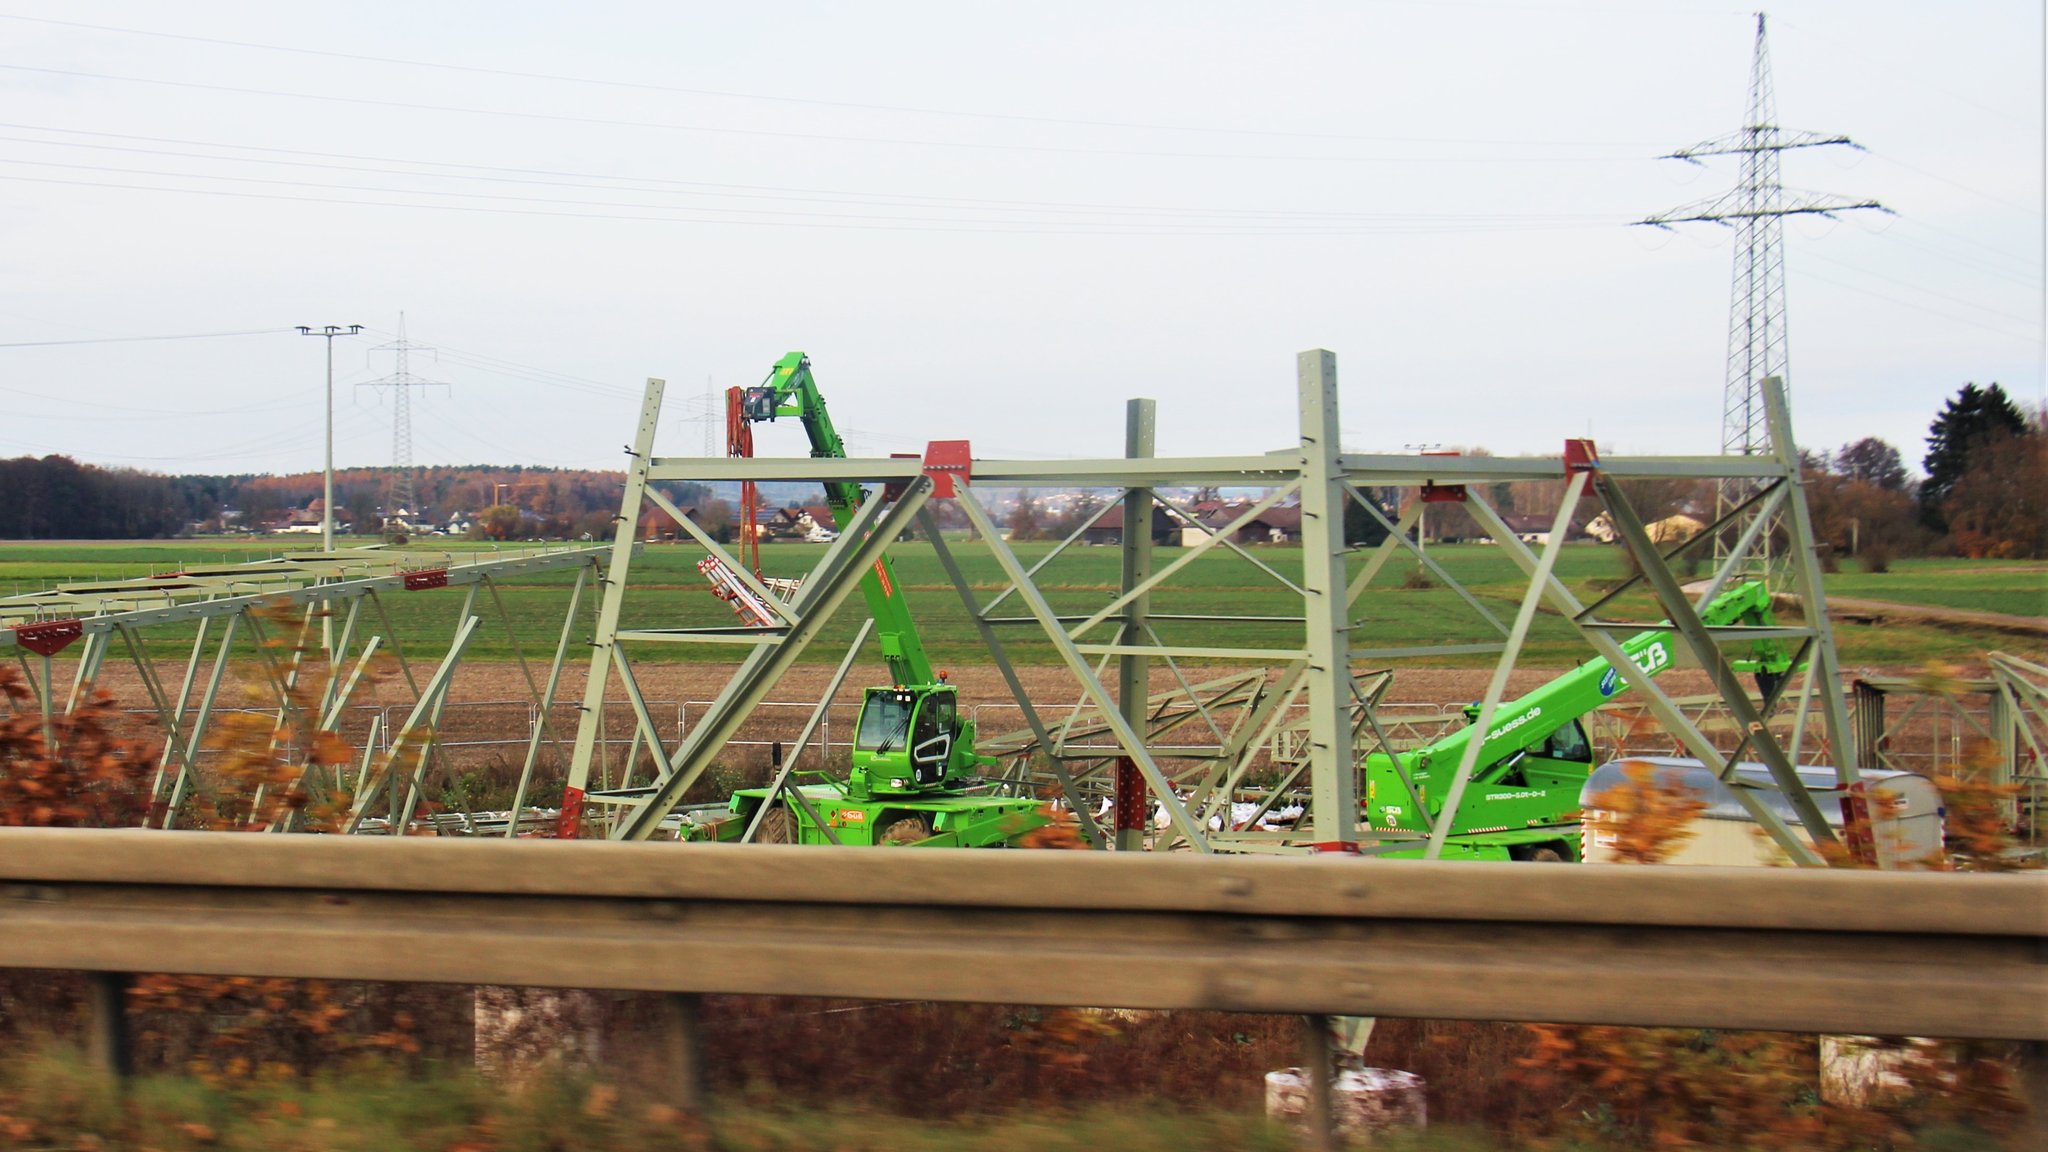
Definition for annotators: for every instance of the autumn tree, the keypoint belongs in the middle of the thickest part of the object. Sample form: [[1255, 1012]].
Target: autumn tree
[[1860, 501], [1025, 522], [498, 522], [1999, 507], [1872, 461]]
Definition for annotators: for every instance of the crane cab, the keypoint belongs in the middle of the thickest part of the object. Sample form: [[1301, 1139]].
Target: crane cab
[[906, 739]]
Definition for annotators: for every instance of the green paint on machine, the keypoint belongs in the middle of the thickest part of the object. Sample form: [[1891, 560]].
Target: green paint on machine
[[915, 778], [1524, 801]]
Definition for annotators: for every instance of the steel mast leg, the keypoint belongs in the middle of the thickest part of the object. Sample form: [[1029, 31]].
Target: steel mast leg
[[1133, 672], [1333, 775], [604, 643]]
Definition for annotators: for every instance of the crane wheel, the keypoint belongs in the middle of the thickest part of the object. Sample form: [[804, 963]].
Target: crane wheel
[[908, 830], [777, 827], [1542, 854]]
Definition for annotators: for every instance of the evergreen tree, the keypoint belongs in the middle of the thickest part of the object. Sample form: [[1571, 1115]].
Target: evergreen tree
[[1973, 419]]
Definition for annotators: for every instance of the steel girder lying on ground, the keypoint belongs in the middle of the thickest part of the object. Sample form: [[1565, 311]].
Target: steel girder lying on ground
[[232, 605], [1146, 735], [1992, 729]]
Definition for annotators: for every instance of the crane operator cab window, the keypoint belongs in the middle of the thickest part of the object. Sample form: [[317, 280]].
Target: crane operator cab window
[[1567, 743], [884, 721]]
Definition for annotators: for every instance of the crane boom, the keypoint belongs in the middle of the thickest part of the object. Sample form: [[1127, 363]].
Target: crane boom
[[790, 390]]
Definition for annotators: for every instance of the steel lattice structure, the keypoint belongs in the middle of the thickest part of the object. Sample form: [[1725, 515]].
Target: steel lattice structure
[[234, 608], [1112, 723]]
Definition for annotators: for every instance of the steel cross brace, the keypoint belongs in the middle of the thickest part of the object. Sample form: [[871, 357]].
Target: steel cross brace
[[426, 711], [803, 739], [1046, 742], [864, 540], [1496, 687], [1805, 564], [1654, 698], [1091, 684]]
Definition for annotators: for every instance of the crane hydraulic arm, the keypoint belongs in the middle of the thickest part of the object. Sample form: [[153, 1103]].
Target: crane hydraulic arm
[[790, 390], [1537, 756], [1533, 718]]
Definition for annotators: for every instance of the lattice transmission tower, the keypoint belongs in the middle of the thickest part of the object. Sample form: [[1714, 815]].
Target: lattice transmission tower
[[399, 501], [1756, 209]]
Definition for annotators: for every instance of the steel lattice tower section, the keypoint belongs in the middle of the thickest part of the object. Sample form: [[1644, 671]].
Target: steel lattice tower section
[[1756, 208], [401, 382]]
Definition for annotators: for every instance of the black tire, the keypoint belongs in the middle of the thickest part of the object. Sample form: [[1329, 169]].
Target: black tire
[[1542, 854], [778, 827]]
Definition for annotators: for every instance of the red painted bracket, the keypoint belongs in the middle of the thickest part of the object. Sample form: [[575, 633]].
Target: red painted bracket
[[1580, 456], [1130, 795], [425, 578], [1442, 493], [49, 637], [569, 822], [948, 462]]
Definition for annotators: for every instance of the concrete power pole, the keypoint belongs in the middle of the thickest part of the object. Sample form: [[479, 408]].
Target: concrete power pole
[[327, 472]]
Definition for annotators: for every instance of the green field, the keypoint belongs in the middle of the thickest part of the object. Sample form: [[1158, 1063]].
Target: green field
[[668, 591]]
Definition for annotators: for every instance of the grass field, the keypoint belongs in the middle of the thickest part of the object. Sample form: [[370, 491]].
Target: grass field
[[668, 591]]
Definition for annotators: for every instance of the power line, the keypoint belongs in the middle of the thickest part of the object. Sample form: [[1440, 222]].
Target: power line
[[1907, 284], [1144, 227], [871, 107], [730, 191], [1809, 274], [1067, 230], [815, 137], [140, 339], [2031, 212]]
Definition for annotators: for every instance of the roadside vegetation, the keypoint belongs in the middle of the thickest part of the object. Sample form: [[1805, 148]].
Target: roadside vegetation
[[234, 1062]]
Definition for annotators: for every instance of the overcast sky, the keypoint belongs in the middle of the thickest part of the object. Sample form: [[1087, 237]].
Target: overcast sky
[[990, 222]]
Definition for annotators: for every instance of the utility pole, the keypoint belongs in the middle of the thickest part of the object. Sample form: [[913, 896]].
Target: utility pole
[[327, 470], [327, 474], [399, 501], [1756, 208]]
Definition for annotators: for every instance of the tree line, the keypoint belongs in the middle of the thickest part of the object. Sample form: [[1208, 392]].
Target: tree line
[[1984, 494], [58, 498]]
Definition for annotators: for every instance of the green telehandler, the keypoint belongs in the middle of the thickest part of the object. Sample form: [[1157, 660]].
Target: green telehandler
[[915, 778], [1523, 799]]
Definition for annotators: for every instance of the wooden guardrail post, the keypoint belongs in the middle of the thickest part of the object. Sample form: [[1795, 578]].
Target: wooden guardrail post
[[1317, 1063], [108, 1044], [2033, 1091], [682, 1035]]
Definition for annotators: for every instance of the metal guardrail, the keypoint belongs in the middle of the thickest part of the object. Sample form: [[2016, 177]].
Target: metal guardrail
[[1797, 950]]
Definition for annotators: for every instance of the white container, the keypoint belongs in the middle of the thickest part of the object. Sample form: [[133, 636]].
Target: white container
[[1905, 812], [1363, 1101]]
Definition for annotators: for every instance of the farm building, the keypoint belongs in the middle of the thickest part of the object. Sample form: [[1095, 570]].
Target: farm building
[[1110, 528]]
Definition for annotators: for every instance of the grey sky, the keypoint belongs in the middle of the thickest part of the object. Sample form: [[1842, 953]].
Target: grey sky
[[989, 222]]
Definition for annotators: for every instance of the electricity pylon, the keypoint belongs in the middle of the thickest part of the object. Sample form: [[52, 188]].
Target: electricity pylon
[[1756, 208], [401, 382]]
